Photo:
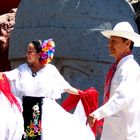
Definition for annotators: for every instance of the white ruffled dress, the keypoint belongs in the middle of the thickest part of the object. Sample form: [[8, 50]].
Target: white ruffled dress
[[57, 124], [11, 120]]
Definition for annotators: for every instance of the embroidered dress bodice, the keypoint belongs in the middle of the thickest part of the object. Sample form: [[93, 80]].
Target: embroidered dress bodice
[[48, 82]]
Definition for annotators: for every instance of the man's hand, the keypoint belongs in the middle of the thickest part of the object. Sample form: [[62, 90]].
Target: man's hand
[[91, 120]]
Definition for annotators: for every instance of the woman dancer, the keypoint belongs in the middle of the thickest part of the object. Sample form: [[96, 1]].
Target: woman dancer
[[39, 84]]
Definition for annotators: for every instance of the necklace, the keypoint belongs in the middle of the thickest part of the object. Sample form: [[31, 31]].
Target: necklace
[[34, 74], [35, 69]]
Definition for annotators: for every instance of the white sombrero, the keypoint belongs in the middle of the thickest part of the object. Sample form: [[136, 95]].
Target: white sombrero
[[124, 29]]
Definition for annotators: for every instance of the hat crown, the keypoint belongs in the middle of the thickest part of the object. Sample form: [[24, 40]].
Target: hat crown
[[125, 30], [123, 26]]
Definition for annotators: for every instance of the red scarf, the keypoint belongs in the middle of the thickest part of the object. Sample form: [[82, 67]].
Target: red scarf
[[109, 77], [5, 88], [89, 99]]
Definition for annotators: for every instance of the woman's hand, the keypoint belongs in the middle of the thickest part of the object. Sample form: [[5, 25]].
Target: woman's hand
[[1, 76], [72, 90]]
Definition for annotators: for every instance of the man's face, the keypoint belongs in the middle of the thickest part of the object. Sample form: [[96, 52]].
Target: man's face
[[117, 46]]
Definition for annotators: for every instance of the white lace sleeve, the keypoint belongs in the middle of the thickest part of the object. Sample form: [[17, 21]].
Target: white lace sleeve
[[13, 74], [59, 83]]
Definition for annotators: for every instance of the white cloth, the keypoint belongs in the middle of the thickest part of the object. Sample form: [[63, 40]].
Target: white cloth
[[122, 111], [11, 120], [79, 113], [61, 125], [49, 83]]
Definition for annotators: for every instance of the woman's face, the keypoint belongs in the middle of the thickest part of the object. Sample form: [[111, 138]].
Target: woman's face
[[32, 56]]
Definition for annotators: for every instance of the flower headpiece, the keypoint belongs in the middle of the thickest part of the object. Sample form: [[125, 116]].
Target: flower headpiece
[[47, 51]]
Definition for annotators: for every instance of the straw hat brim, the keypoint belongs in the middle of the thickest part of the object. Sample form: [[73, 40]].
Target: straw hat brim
[[125, 34]]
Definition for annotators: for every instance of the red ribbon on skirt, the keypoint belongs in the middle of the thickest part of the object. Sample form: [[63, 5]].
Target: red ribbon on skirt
[[6, 90]]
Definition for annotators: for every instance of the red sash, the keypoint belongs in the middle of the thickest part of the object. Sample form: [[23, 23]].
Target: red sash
[[89, 99], [5, 88]]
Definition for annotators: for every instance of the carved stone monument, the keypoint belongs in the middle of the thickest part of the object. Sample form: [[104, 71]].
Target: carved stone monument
[[81, 51], [7, 22]]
